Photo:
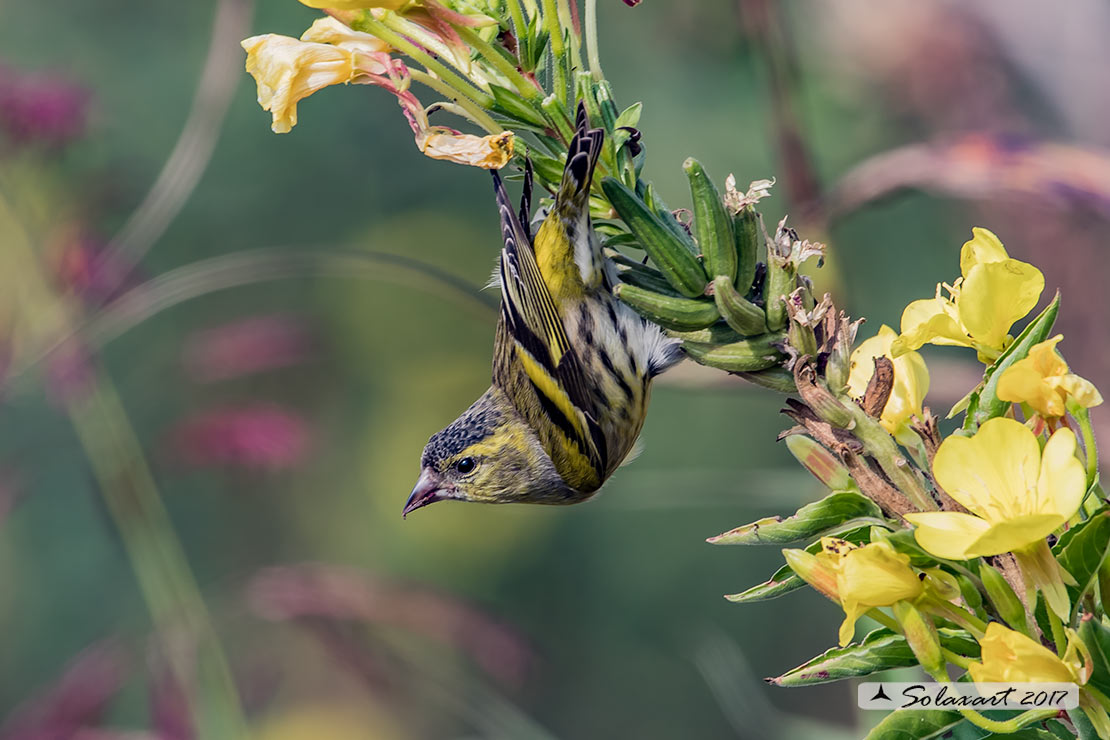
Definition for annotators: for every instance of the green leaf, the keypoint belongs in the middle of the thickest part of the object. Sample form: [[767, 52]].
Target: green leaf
[[784, 580], [986, 404], [811, 520], [1097, 639], [509, 104], [1083, 553], [880, 650], [916, 724], [630, 116]]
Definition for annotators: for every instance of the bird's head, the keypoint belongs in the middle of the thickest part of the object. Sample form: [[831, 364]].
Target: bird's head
[[488, 455]]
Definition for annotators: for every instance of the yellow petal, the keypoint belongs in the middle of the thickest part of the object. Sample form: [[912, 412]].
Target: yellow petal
[[1046, 360], [1081, 389], [1022, 383], [813, 571], [947, 534], [876, 575], [983, 247], [996, 294], [328, 30], [852, 613], [929, 321], [1014, 534], [992, 472], [488, 152], [287, 70], [862, 363], [1062, 481], [911, 379], [1011, 657]]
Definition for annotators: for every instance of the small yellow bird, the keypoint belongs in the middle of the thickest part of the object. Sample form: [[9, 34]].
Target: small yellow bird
[[572, 366]]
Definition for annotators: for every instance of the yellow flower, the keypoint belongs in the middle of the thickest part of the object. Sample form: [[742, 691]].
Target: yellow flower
[[1011, 657], [1042, 380], [858, 577], [994, 292], [911, 382], [1016, 495]]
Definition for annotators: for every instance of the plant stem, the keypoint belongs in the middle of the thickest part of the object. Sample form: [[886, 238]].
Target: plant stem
[[473, 112], [1090, 448], [558, 50], [522, 84], [566, 20], [367, 24], [1008, 726], [961, 661], [520, 25], [882, 447], [591, 41]]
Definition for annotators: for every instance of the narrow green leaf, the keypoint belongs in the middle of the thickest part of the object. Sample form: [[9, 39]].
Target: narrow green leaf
[[1097, 639], [630, 116], [810, 521], [985, 404], [880, 650], [784, 580], [508, 103], [911, 724]]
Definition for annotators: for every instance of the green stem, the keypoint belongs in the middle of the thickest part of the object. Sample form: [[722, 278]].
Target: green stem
[[520, 25], [962, 661], [1090, 448], [965, 619], [509, 71], [591, 41], [1008, 726], [368, 24], [558, 51], [885, 620], [1058, 635], [473, 112], [566, 20]]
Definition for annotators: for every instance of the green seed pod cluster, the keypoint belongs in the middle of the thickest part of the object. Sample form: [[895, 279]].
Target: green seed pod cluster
[[700, 283]]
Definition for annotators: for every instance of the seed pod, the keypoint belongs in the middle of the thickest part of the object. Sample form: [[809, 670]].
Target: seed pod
[[719, 333], [740, 313], [671, 312], [747, 228], [712, 224], [747, 355], [645, 277], [780, 282], [673, 258], [776, 379]]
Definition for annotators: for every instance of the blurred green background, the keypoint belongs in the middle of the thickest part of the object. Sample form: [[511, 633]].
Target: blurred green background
[[596, 621]]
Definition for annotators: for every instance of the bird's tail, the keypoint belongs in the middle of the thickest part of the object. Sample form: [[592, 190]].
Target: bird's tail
[[572, 200]]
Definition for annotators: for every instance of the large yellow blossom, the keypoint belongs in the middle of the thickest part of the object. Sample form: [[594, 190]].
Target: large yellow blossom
[[993, 293], [858, 577], [1016, 496], [1042, 380], [911, 382], [1011, 657]]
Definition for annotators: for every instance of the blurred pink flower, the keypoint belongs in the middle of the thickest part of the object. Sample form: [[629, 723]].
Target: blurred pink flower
[[41, 108], [246, 346], [262, 436], [319, 590], [79, 698]]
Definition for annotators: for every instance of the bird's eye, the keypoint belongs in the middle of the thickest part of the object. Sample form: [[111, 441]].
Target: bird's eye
[[465, 465]]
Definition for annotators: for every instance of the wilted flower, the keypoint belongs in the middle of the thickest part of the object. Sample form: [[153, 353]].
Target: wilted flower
[[1011, 657], [1016, 496], [911, 382], [260, 436], [287, 70], [1042, 380], [490, 152], [858, 577], [757, 191], [994, 292]]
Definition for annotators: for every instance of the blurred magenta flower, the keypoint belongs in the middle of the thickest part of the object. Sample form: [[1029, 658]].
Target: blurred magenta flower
[[261, 436], [246, 346], [320, 590], [41, 109], [77, 700]]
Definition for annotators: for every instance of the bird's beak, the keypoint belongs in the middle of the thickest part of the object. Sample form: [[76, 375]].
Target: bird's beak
[[428, 490]]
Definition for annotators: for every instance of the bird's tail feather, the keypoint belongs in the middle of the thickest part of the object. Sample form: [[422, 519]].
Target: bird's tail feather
[[582, 155]]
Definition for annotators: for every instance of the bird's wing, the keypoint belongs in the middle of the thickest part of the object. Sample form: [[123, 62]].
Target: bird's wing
[[537, 330]]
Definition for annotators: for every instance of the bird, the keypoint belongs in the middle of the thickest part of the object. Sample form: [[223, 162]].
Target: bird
[[572, 365]]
